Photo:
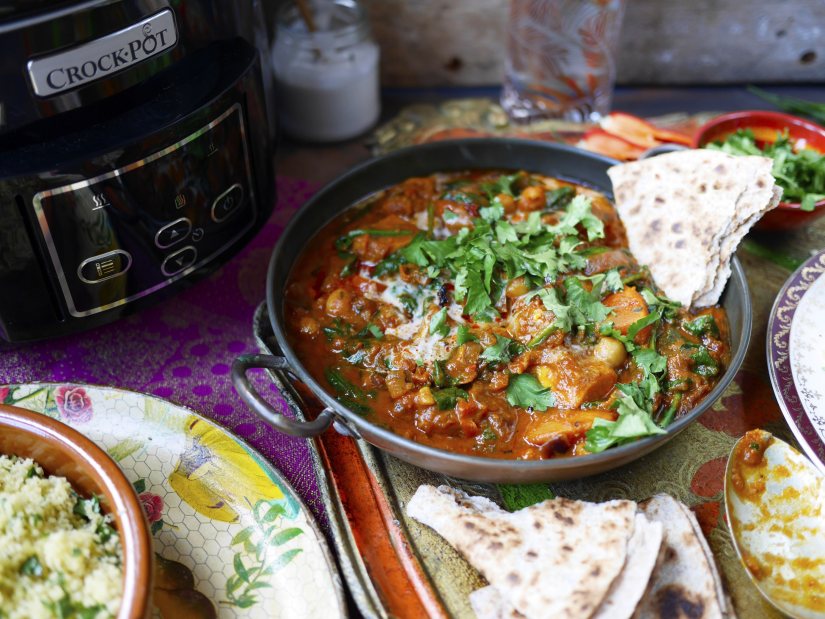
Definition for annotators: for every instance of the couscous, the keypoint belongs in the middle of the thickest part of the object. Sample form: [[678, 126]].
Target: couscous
[[59, 555]]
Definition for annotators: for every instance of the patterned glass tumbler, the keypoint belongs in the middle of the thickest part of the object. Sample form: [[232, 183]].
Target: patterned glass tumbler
[[561, 59]]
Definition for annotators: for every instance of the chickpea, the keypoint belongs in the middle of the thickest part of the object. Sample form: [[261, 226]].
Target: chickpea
[[339, 303], [308, 326], [532, 199], [424, 397], [611, 351], [516, 288]]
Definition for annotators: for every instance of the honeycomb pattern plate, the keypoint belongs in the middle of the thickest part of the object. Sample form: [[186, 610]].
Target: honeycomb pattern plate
[[232, 537]]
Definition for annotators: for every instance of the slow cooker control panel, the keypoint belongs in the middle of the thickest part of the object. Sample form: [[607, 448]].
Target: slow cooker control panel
[[127, 233]]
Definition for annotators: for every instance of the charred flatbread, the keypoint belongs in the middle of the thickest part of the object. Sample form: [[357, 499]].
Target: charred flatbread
[[631, 584], [558, 558], [624, 594], [685, 212], [685, 582]]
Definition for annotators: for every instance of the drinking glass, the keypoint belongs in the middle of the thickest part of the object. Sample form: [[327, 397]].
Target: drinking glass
[[561, 59]]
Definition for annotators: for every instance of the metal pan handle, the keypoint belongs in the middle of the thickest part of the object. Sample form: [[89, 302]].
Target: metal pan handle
[[302, 429]]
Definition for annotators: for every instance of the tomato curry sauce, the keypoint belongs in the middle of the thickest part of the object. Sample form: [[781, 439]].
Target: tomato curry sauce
[[498, 314]]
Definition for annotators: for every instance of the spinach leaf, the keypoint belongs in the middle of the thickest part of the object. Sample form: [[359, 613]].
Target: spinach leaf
[[350, 395], [440, 376], [701, 325], [447, 398], [343, 243], [703, 363], [558, 198]]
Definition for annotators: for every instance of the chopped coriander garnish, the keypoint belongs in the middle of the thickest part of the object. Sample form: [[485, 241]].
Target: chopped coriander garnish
[[482, 259], [503, 184], [488, 435], [579, 306], [634, 420], [667, 306], [525, 390], [464, 335], [502, 351], [800, 173], [370, 330], [438, 323]]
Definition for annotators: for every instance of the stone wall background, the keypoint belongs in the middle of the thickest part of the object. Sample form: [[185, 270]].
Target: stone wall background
[[461, 42]]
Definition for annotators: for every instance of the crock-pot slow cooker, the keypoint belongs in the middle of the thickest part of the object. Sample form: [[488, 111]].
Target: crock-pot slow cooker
[[134, 153]]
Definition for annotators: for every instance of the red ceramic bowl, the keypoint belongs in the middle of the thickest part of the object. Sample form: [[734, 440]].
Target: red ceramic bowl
[[62, 451], [788, 215]]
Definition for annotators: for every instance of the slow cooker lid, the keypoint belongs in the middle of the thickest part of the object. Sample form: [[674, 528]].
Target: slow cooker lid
[[18, 9]]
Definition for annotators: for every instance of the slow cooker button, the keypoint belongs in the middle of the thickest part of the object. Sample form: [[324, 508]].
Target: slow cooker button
[[226, 204], [173, 233], [180, 260], [105, 266]]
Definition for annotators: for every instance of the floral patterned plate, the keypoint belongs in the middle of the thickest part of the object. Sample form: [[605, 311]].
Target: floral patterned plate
[[232, 538], [796, 355]]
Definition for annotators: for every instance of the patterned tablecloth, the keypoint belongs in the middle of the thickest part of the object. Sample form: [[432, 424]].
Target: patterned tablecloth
[[182, 348]]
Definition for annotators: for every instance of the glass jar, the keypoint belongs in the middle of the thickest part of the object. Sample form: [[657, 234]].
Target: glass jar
[[327, 79]]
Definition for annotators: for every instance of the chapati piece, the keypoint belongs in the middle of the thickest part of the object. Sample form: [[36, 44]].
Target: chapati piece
[[728, 248], [558, 558], [685, 212], [622, 598], [684, 581], [488, 603], [631, 584]]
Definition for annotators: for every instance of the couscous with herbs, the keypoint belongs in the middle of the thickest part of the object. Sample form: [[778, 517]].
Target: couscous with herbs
[[59, 555]]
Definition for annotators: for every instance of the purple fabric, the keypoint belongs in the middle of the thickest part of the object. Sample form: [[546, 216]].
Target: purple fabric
[[181, 350]]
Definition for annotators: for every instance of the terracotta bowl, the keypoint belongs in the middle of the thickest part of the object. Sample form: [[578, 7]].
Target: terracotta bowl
[[60, 450], [788, 215]]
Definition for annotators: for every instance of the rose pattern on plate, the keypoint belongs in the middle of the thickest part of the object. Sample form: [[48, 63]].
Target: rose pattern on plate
[[152, 504], [73, 403]]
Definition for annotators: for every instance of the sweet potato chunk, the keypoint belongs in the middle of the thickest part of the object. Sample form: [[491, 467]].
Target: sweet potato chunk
[[575, 380], [628, 307], [566, 426], [372, 248]]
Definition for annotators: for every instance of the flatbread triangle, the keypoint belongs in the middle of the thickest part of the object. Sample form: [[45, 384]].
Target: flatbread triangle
[[685, 212]]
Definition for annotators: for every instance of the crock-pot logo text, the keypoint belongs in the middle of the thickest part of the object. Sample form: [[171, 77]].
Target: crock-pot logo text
[[104, 56]]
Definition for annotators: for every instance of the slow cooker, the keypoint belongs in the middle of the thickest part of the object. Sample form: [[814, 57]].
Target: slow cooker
[[134, 153]]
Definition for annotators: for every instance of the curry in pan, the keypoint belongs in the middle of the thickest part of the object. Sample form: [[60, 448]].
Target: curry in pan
[[499, 314]]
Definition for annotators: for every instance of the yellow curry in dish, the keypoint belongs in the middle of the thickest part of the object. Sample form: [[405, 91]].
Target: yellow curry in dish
[[497, 313]]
